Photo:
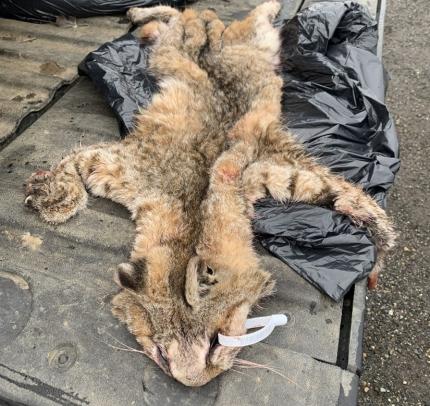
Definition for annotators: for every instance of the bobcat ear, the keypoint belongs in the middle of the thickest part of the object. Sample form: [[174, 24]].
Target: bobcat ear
[[126, 276], [198, 281], [192, 282]]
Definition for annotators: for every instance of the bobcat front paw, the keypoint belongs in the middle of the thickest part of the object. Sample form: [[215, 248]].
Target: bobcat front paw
[[36, 188], [56, 199], [372, 280], [356, 211]]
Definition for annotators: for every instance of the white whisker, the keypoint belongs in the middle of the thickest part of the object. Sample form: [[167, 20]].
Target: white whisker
[[240, 372], [124, 345], [243, 363], [124, 349]]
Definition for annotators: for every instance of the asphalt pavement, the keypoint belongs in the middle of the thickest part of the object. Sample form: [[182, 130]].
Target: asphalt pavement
[[397, 333]]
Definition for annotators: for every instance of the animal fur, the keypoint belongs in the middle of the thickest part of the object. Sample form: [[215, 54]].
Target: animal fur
[[192, 271]]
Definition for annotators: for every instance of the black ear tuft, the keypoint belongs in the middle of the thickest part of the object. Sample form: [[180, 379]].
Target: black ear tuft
[[129, 275]]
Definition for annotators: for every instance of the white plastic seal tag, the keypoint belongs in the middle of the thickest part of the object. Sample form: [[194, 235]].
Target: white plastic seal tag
[[267, 323]]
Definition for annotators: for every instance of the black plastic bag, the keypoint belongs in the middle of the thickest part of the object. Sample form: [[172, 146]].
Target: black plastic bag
[[334, 101], [49, 10], [318, 243], [120, 70]]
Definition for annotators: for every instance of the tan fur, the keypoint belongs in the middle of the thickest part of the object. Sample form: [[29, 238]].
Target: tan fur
[[193, 271]]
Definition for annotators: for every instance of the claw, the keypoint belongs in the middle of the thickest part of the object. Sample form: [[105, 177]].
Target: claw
[[40, 175], [28, 200], [35, 185], [372, 281]]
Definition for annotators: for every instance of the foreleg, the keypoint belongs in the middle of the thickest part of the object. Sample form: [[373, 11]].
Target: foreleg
[[60, 193], [227, 234], [160, 230]]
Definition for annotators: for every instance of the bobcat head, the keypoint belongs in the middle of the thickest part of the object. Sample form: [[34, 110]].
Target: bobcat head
[[176, 318]]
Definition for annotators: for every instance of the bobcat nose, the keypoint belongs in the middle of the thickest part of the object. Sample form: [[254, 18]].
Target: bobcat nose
[[188, 371], [187, 362], [191, 378]]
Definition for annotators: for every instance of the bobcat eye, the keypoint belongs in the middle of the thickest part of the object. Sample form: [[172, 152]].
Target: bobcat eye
[[162, 353], [162, 359], [210, 271]]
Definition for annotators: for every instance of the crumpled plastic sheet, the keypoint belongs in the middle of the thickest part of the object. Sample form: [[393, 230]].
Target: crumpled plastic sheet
[[120, 70], [49, 10], [319, 244], [333, 100]]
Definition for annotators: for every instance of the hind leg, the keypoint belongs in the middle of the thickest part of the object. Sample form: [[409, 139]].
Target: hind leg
[[256, 29], [292, 183], [176, 47], [140, 16], [195, 37], [282, 157], [185, 32], [60, 193], [214, 29], [288, 173]]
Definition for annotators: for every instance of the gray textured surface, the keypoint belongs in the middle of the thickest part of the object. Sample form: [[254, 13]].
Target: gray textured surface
[[300, 380], [236, 10], [372, 5], [397, 332], [37, 59], [15, 306], [355, 352]]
